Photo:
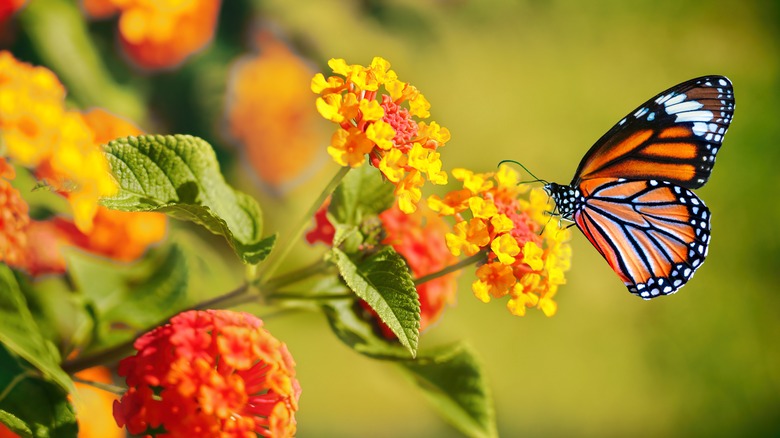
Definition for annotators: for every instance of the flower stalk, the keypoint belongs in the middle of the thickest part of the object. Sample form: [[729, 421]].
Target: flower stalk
[[476, 258], [295, 236]]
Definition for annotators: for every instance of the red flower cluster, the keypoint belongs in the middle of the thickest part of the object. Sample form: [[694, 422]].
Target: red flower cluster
[[209, 373], [419, 238]]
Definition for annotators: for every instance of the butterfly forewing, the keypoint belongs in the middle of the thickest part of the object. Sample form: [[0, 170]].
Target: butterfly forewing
[[672, 137], [654, 234]]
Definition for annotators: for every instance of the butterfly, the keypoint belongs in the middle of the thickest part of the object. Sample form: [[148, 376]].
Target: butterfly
[[631, 194]]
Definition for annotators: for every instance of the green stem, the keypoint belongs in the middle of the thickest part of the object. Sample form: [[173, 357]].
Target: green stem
[[113, 389], [309, 297], [478, 257], [297, 232], [297, 275]]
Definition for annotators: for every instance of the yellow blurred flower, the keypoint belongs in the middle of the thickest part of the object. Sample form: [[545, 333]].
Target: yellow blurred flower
[[267, 100], [382, 126], [522, 263], [94, 407], [38, 132], [63, 149], [160, 33]]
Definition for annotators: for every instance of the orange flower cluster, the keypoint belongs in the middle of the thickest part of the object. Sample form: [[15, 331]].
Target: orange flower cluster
[[135, 231], [63, 149], [266, 101], [13, 219], [160, 33], [521, 263], [381, 125], [209, 373]]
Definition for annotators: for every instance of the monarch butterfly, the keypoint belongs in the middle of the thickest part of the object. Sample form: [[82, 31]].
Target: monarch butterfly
[[631, 194]]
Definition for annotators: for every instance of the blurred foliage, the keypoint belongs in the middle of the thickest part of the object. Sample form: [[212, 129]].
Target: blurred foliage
[[537, 82]]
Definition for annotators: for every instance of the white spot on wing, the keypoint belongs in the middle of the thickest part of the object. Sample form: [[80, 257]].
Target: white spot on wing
[[690, 105], [695, 116], [675, 100]]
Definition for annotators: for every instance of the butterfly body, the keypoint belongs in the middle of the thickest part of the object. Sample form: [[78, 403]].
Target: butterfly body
[[631, 194]]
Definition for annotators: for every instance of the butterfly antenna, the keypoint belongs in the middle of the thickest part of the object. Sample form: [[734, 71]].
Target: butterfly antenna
[[524, 168]]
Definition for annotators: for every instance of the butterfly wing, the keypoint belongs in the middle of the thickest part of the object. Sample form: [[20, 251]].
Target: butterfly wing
[[654, 234], [672, 137]]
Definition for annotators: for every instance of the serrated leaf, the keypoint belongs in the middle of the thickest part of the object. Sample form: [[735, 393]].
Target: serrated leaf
[[21, 335], [33, 407], [179, 175], [358, 333], [452, 379], [362, 192], [384, 282]]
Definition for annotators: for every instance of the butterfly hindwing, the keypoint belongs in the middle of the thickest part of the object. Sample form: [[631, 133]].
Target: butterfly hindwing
[[654, 234], [672, 137]]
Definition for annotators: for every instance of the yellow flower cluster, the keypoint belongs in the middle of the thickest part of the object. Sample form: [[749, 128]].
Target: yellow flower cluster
[[521, 263], [36, 131], [375, 113]]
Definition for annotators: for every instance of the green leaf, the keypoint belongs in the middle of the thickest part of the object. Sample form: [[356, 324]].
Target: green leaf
[[363, 192], [147, 301], [21, 335], [348, 238], [384, 282], [30, 406], [453, 381], [131, 298], [352, 326], [179, 175]]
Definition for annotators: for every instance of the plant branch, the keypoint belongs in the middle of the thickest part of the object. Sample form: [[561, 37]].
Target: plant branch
[[112, 354], [297, 275], [309, 297], [113, 389], [480, 256]]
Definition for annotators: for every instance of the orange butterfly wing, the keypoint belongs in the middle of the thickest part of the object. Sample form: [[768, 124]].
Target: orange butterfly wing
[[672, 137], [654, 234]]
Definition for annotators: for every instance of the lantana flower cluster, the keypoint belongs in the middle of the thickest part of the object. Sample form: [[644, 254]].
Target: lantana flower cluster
[[209, 373], [62, 149], [160, 33], [376, 112], [267, 98], [40, 133], [493, 217]]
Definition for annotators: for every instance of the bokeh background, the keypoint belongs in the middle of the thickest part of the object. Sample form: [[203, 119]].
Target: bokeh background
[[533, 81]]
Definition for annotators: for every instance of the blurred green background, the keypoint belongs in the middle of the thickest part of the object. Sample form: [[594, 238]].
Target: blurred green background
[[539, 82]]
